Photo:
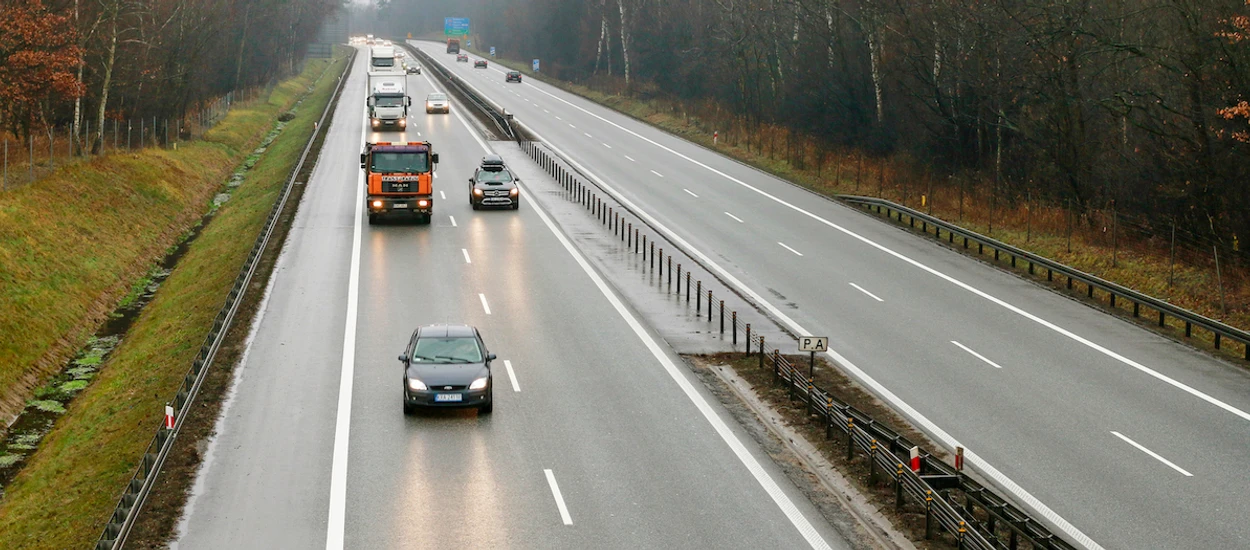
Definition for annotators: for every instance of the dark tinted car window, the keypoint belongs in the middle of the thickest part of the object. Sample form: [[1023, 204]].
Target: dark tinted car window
[[501, 176], [447, 350]]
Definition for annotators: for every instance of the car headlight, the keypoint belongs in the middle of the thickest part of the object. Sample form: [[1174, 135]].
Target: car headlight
[[478, 384], [515, 191], [416, 385], [477, 192]]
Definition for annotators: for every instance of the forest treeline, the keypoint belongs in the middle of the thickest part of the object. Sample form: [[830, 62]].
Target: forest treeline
[[77, 63], [1090, 101]]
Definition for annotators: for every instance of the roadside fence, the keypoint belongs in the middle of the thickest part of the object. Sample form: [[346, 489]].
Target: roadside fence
[[45, 150]]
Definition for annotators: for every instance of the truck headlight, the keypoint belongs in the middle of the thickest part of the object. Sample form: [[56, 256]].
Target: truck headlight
[[478, 384], [377, 204], [375, 122], [423, 204], [416, 385], [403, 122]]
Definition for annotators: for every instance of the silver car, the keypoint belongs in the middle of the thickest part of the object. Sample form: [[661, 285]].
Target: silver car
[[437, 103]]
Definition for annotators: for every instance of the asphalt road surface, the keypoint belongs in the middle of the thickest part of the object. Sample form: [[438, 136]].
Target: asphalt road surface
[[599, 437], [1116, 436]]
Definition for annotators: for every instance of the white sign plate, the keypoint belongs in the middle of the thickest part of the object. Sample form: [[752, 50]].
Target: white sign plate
[[814, 343]]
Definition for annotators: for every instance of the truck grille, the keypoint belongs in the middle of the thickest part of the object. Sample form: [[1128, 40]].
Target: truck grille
[[399, 187]]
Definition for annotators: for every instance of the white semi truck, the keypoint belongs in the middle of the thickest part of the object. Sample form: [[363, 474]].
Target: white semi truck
[[382, 58], [388, 100]]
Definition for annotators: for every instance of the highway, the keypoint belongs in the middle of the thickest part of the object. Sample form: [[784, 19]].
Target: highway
[[599, 438], [1116, 436]]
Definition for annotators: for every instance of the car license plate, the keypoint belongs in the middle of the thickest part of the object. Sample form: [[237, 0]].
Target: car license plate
[[400, 205], [447, 397]]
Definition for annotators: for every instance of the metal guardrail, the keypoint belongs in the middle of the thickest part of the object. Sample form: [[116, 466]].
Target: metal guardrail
[[952, 501], [136, 492], [498, 115], [1113, 291]]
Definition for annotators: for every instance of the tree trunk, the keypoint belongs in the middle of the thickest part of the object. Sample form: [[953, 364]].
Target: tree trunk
[[603, 37], [97, 143], [238, 69], [624, 39]]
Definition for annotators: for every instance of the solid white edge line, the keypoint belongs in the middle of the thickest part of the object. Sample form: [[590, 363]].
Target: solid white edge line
[[466, 255], [884, 393], [691, 193], [485, 306], [511, 375], [753, 466], [555, 492], [337, 518], [783, 245], [736, 218], [871, 295], [1153, 454], [977, 355]]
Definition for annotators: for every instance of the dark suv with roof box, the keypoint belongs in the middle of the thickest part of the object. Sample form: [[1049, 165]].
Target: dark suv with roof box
[[493, 185]]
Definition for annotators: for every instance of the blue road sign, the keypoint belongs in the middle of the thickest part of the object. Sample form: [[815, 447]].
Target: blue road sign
[[456, 26], [535, 65]]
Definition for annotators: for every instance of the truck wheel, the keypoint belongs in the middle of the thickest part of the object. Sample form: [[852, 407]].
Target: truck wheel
[[373, 218]]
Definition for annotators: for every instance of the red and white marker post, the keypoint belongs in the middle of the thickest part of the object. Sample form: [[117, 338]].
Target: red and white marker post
[[715, 136], [959, 459], [169, 417], [915, 459]]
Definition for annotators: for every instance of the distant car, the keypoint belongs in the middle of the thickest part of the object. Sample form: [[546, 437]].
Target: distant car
[[414, 69], [479, 64], [512, 76], [462, 57], [437, 103], [447, 366], [494, 185]]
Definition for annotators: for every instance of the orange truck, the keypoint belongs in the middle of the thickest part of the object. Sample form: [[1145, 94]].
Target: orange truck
[[399, 180]]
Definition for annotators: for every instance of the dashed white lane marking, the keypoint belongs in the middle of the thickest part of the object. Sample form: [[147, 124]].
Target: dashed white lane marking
[[453, 220], [977, 355], [1152, 454], [630, 159], [571, 125], [588, 135], [657, 173], [466, 255], [783, 245], [511, 375], [555, 492], [442, 195], [608, 146], [871, 295], [736, 218], [689, 192], [485, 306]]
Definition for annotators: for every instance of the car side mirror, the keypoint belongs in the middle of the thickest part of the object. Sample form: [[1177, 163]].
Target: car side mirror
[[490, 357], [434, 158], [409, 101], [470, 180], [362, 160], [403, 358]]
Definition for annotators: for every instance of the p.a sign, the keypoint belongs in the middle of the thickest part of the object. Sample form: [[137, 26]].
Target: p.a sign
[[814, 343], [492, 51]]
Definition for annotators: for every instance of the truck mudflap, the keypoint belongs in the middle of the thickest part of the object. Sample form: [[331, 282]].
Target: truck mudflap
[[419, 207]]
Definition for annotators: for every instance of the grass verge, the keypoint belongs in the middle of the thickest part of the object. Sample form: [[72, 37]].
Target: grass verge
[[70, 485], [1084, 240]]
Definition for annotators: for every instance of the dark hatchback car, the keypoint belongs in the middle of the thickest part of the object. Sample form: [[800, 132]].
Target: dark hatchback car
[[479, 64], [447, 366], [493, 185], [512, 76]]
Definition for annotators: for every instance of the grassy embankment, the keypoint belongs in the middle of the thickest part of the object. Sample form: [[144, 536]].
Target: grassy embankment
[[1144, 265], [80, 257]]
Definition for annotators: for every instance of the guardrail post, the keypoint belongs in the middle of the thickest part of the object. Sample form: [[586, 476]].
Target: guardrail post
[[678, 278], [748, 329], [850, 435], [722, 323], [687, 288], [761, 350], [670, 273], [872, 463], [898, 486], [629, 237], [661, 263], [698, 297], [928, 514], [959, 543], [652, 254], [776, 365], [735, 327], [828, 418], [709, 305]]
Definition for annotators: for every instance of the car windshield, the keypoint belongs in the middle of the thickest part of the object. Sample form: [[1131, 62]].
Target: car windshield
[[406, 163], [447, 350], [384, 101], [435, 97], [499, 176]]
